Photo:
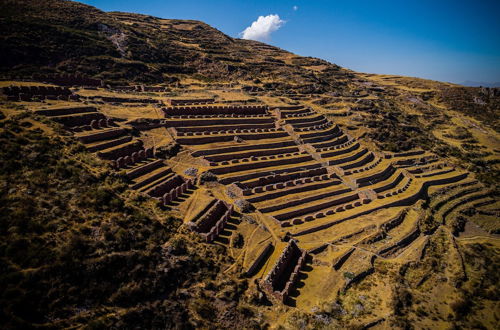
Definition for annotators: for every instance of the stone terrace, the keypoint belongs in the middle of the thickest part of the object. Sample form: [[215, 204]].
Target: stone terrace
[[316, 190]]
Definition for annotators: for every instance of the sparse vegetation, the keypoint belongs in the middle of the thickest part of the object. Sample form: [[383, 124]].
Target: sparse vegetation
[[80, 238]]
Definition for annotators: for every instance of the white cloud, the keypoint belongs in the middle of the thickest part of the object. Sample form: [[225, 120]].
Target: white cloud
[[262, 28], [295, 8]]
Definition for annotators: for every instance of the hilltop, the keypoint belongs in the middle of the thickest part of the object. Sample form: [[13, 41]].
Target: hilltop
[[120, 46], [158, 173]]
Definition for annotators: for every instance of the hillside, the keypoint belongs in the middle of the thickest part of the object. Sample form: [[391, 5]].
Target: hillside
[[130, 47], [158, 173]]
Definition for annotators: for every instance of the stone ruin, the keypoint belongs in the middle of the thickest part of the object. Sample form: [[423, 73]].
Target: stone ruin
[[29, 93], [279, 282], [68, 80], [210, 221]]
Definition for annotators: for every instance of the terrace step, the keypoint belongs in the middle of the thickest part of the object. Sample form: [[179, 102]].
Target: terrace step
[[335, 153], [144, 169], [252, 174], [108, 144], [235, 149], [331, 143], [78, 119], [299, 201], [220, 127], [260, 164], [461, 203], [144, 181], [121, 150], [270, 195], [174, 179], [353, 156], [65, 111], [455, 194], [253, 153], [356, 267], [226, 137], [102, 134]]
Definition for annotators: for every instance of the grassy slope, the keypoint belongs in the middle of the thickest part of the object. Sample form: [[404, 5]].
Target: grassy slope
[[77, 248], [455, 122], [65, 36]]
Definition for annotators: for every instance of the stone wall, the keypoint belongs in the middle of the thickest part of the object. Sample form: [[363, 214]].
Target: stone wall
[[363, 161], [262, 164], [333, 132], [323, 195], [180, 102], [358, 277], [152, 178], [65, 111], [210, 221], [125, 150], [376, 177], [215, 151], [340, 140], [278, 283], [190, 121], [110, 144], [124, 88], [68, 80], [391, 184], [239, 126], [348, 158], [337, 146], [244, 177], [257, 264], [409, 200], [137, 172], [166, 186], [340, 151], [108, 134], [248, 154], [309, 124], [323, 137], [156, 89], [216, 110], [316, 207], [396, 221], [204, 139], [410, 237], [288, 190], [114, 99], [129, 156], [416, 161], [283, 177], [342, 259], [303, 120], [405, 154], [27, 93], [178, 186], [84, 119]]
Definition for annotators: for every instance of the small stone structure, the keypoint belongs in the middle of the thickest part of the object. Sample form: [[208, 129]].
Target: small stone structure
[[279, 282], [210, 222]]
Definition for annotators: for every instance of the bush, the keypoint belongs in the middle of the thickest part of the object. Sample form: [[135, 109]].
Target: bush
[[244, 206], [207, 177]]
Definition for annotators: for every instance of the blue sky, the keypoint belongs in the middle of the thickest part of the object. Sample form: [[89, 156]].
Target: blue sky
[[442, 40]]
